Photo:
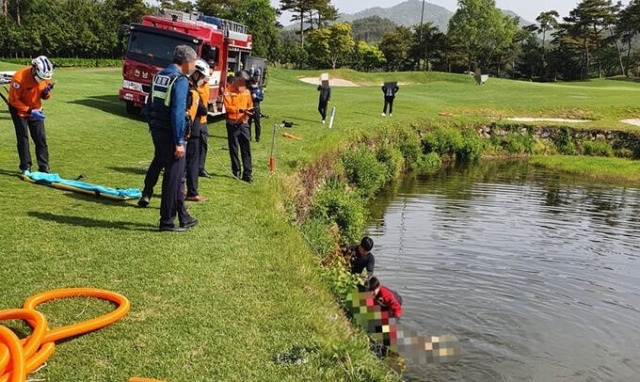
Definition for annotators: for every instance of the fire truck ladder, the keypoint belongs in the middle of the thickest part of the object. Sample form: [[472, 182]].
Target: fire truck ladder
[[196, 17]]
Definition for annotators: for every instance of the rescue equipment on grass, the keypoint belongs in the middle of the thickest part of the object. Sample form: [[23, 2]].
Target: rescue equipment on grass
[[55, 181]]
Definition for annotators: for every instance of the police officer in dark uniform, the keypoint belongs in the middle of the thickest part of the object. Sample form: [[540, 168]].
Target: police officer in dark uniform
[[166, 114], [257, 96]]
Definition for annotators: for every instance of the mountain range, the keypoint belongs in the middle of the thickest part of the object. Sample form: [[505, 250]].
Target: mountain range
[[408, 14]]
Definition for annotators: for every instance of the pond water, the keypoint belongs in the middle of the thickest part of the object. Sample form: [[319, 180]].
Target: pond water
[[537, 274]]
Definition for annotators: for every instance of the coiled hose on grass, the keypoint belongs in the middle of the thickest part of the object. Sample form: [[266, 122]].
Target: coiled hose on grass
[[19, 357]]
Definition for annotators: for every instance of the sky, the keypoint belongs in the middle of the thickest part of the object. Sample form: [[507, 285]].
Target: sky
[[528, 9]]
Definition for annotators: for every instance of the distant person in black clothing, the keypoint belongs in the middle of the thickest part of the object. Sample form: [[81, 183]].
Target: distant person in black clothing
[[389, 90], [323, 100], [361, 257]]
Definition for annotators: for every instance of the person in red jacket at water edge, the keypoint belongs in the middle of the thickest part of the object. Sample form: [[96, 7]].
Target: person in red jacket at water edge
[[386, 298], [29, 86]]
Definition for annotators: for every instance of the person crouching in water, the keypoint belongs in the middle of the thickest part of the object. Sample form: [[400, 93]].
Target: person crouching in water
[[388, 300], [360, 257], [198, 112]]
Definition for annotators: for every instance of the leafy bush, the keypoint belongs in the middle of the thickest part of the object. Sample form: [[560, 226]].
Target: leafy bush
[[569, 149], [623, 153], [465, 146], [495, 140], [473, 147], [446, 142], [541, 147], [516, 143], [597, 148], [341, 281], [564, 141], [392, 159], [410, 147], [335, 204], [364, 171], [429, 161]]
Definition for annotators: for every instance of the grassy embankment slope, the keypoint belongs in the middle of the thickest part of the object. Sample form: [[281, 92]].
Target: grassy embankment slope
[[218, 302]]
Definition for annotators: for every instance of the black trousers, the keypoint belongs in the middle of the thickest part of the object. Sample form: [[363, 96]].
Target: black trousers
[[203, 142], [255, 118], [172, 202], [193, 165], [388, 101], [238, 135], [322, 109], [151, 179], [23, 127]]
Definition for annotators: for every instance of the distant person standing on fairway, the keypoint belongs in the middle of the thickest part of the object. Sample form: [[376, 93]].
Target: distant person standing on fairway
[[389, 89], [324, 98], [29, 86]]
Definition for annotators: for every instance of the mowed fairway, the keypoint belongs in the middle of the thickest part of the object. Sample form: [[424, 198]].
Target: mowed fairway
[[218, 302]]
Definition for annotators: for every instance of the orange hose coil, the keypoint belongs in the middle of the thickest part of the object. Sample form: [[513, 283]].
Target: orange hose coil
[[20, 357]]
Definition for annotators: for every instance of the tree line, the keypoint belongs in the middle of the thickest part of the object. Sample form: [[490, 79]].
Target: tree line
[[596, 39], [89, 28]]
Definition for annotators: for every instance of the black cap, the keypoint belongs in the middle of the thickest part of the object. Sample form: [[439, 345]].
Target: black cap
[[372, 284], [366, 243]]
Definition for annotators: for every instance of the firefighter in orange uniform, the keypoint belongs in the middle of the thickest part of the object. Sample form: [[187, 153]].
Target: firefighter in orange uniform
[[197, 110], [28, 87], [239, 107]]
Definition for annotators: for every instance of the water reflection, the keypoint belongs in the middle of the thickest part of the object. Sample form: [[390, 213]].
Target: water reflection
[[537, 274]]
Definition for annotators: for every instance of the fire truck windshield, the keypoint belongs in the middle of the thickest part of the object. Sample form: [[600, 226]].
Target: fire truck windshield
[[153, 48]]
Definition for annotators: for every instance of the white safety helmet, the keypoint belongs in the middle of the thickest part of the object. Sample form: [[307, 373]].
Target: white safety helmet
[[202, 67], [43, 67]]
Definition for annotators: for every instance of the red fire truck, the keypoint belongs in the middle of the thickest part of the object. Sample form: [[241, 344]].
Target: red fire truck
[[224, 44]]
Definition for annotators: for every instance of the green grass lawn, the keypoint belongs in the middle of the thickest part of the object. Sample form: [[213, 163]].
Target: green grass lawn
[[606, 102], [595, 168], [218, 302]]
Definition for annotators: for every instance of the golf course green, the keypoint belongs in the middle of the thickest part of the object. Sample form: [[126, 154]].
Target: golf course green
[[219, 302]]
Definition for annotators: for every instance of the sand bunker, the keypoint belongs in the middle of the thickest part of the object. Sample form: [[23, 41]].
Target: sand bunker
[[333, 82], [634, 122], [560, 120]]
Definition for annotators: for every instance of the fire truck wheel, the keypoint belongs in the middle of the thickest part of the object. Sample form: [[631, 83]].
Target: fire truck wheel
[[133, 109]]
